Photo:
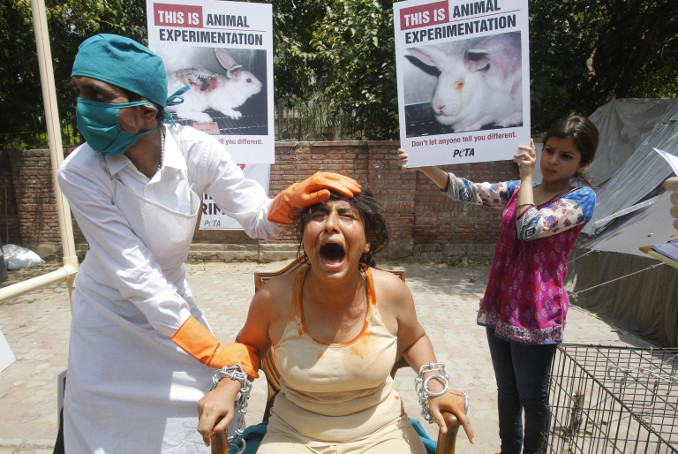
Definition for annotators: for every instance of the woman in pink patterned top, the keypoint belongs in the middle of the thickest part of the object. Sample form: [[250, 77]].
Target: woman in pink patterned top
[[525, 304]]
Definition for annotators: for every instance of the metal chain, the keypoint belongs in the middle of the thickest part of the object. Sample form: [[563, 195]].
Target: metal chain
[[421, 385], [236, 373]]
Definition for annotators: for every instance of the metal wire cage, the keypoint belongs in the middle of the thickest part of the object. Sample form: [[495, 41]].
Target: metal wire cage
[[606, 399]]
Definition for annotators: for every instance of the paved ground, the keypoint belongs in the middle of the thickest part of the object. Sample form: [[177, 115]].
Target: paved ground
[[36, 328]]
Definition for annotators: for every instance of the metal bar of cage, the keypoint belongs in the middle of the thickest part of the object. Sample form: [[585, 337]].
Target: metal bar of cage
[[606, 399]]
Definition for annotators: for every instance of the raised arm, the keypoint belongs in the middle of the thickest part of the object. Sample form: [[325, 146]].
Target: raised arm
[[463, 190], [527, 160], [573, 209]]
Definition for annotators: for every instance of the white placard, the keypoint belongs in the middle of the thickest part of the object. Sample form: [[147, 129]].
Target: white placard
[[672, 160], [224, 51], [463, 79], [213, 218], [6, 355]]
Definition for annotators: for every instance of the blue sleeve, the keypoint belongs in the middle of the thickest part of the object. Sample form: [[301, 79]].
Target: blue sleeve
[[585, 197]]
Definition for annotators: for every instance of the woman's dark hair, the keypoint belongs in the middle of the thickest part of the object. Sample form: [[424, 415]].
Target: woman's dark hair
[[131, 96], [376, 228], [583, 133]]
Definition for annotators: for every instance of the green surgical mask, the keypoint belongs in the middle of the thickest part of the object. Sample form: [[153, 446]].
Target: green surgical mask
[[99, 124]]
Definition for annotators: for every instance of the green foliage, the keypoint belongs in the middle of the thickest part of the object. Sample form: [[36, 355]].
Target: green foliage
[[355, 41], [296, 66], [69, 22], [19, 70], [583, 53]]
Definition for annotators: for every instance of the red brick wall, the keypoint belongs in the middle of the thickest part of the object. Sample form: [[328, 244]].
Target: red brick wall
[[446, 230], [35, 208], [424, 223], [9, 220]]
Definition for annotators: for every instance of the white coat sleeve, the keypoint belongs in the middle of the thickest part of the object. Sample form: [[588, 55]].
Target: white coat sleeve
[[129, 264], [210, 166]]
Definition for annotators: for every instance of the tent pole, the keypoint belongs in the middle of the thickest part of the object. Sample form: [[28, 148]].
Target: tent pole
[[70, 259]]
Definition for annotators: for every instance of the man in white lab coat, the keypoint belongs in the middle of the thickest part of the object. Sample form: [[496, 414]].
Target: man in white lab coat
[[141, 354]]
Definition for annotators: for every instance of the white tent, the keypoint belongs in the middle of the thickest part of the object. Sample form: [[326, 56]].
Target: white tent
[[608, 274], [627, 169]]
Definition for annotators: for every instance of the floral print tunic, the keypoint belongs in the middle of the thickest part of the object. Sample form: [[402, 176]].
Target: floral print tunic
[[525, 301]]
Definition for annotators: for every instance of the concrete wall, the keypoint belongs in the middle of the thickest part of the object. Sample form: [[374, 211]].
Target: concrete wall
[[425, 224]]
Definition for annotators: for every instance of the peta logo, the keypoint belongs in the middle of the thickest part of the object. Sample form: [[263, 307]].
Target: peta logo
[[463, 152]]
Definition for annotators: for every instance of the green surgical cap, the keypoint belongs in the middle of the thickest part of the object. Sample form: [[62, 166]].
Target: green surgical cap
[[125, 63]]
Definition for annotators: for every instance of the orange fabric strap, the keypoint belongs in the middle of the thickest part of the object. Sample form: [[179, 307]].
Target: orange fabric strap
[[196, 340]]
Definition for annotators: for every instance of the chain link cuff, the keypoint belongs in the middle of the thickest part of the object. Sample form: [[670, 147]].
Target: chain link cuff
[[423, 391], [236, 373]]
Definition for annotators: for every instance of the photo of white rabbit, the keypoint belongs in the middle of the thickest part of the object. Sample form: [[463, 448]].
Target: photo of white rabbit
[[465, 85], [228, 87]]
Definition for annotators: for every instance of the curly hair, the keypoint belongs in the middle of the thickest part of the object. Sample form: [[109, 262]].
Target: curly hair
[[371, 213]]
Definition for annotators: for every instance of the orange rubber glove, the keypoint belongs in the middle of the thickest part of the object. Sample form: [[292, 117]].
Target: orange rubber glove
[[200, 343], [314, 189]]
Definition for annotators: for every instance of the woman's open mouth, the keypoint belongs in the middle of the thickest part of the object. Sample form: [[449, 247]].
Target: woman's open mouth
[[332, 254]]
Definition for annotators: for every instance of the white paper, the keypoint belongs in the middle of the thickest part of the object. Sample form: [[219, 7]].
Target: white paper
[[669, 250], [231, 97], [672, 160], [191, 37], [213, 218], [6, 355], [463, 79]]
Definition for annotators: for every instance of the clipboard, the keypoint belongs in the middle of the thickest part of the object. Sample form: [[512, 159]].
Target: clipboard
[[653, 252]]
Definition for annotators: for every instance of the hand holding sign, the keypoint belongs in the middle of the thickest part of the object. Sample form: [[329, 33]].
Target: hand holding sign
[[671, 184], [463, 79]]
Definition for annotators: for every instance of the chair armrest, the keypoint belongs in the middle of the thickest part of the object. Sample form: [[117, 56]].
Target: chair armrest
[[219, 444], [446, 442]]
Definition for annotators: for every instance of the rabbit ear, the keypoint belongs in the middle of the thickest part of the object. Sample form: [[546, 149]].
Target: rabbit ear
[[428, 69], [477, 59], [429, 55], [234, 72], [225, 59]]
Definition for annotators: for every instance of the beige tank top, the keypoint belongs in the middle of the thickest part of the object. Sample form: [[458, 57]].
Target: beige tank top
[[341, 391]]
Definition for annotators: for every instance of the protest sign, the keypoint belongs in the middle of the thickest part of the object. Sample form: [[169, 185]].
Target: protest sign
[[671, 159], [6, 355], [463, 79], [224, 52], [212, 218]]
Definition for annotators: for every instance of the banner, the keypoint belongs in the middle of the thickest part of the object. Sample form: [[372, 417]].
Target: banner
[[463, 80], [224, 51], [212, 218], [6, 355]]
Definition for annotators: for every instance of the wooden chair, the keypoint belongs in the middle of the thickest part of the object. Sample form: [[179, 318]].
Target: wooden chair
[[446, 442]]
